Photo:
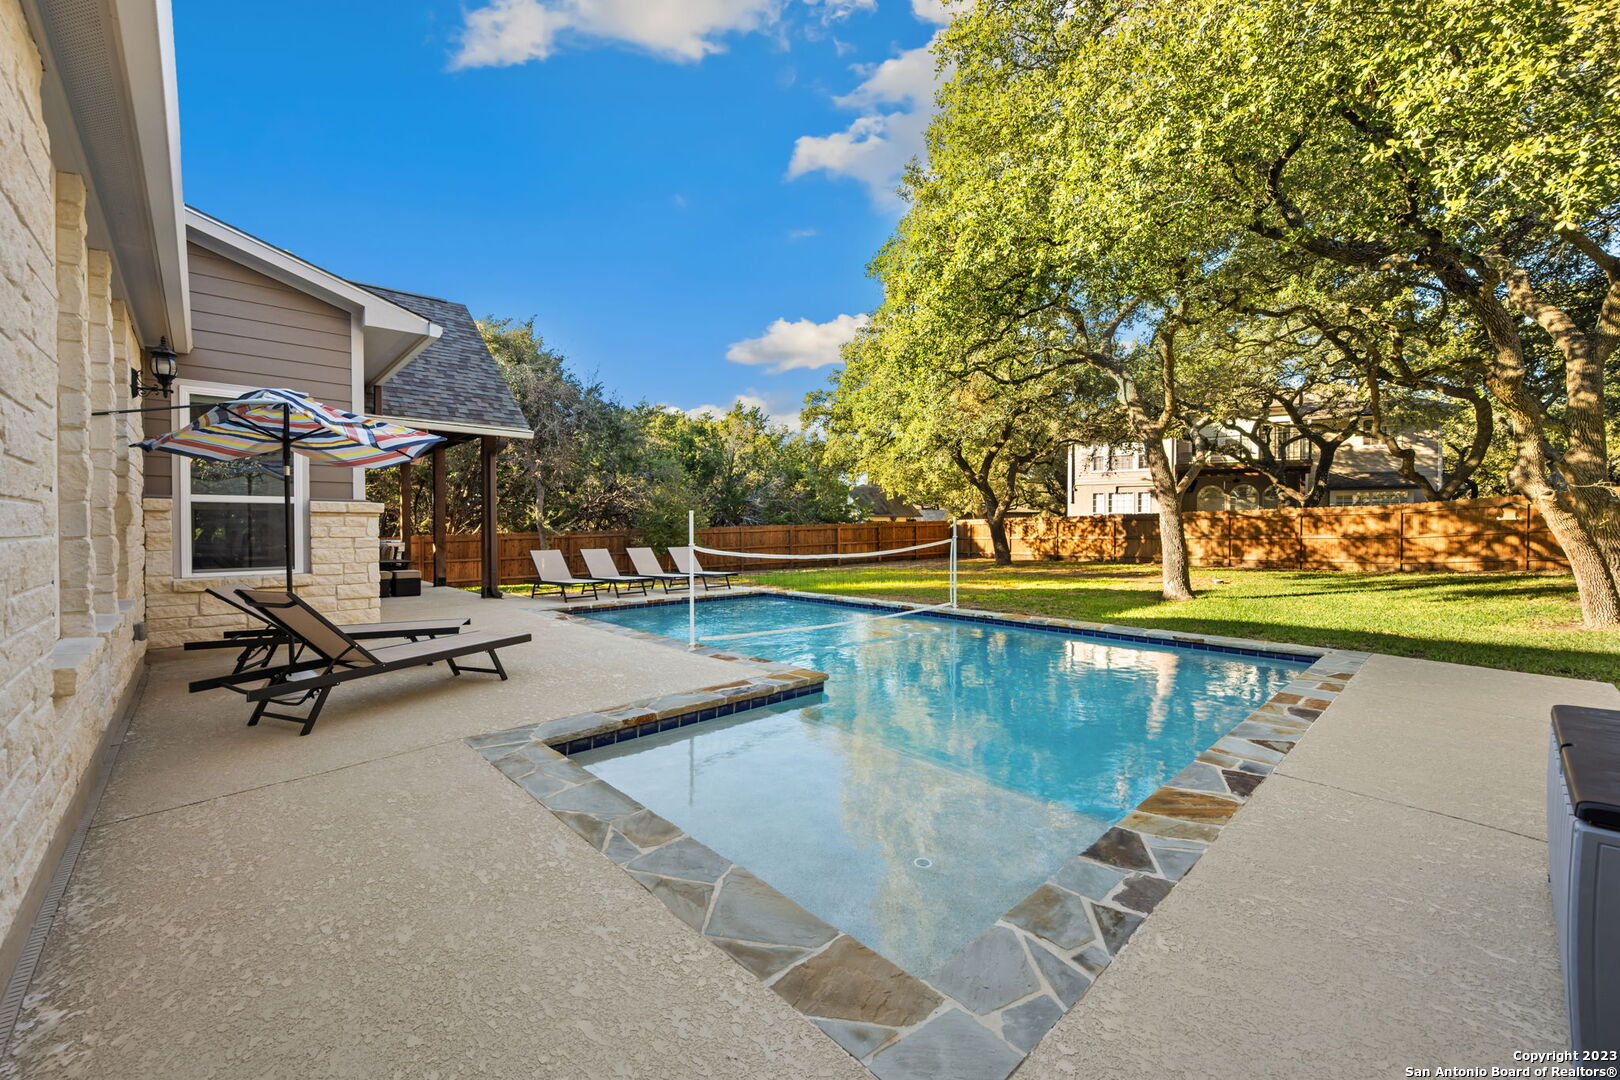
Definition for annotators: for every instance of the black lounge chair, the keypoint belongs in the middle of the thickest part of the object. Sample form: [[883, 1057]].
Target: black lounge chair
[[599, 561], [647, 565], [259, 645], [686, 561], [552, 569], [339, 658]]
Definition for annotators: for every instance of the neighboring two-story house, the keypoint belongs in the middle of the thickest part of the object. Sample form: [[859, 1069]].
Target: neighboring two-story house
[[1115, 480]]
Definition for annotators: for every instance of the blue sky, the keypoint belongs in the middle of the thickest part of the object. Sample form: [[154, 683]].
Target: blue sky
[[684, 192]]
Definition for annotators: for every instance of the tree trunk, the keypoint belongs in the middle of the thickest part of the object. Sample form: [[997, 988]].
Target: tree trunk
[[999, 545], [1595, 566], [1175, 569], [1595, 579]]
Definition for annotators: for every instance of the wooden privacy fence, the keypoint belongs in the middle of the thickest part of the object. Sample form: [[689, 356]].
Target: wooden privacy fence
[[1469, 535], [464, 565]]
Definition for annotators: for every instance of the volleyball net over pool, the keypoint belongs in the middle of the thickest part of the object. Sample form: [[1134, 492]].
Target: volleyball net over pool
[[949, 543]]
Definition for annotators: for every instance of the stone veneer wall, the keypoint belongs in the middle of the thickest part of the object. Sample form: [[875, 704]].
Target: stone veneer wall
[[69, 496], [342, 582]]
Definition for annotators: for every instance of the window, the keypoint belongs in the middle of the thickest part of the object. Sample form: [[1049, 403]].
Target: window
[[1270, 499], [1146, 503], [230, 517], [1378, 497], [1099, 461], [1245, 497], [1122, 502], [1211, 497], [1099, 502]]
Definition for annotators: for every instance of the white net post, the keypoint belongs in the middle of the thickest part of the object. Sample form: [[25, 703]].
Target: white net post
[[953, 564], [691, 579]]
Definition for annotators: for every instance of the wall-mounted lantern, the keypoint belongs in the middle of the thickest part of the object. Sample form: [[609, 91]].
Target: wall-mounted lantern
[[164, 368]]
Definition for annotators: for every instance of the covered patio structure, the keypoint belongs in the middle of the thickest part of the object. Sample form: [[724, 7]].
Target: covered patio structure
[[453, 389]]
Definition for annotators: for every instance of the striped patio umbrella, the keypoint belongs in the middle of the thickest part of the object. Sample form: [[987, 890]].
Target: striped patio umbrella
[[282, 422]]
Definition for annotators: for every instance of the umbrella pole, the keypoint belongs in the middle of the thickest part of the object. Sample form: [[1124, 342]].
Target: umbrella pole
[[286, 491]]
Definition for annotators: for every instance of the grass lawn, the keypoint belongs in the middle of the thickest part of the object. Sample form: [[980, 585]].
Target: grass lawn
[[1524, 622]]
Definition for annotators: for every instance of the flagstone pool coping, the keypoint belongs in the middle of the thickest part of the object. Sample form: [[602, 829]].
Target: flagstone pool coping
[[985, 1010]]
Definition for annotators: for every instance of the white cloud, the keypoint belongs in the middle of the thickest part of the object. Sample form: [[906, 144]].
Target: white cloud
[[509, 32], [800, 345], [933, 11], [801, 234], [835, 10], [895, 101], [780, 410]]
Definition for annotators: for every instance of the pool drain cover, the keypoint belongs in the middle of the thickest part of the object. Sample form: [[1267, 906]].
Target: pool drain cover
[[922, 862]]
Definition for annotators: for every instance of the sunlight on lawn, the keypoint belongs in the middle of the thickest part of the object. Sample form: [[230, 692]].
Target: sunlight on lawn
[[1528, 622]]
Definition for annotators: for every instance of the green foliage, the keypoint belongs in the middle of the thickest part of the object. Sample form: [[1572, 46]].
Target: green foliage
[[597, 464]]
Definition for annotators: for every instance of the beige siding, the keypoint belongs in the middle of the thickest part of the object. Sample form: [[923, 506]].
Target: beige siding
[[251, 330]]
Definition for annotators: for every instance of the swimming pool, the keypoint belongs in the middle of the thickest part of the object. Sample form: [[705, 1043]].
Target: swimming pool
[[950, 767]]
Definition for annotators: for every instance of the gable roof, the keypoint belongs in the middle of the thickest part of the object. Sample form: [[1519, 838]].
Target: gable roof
[[454, 384]]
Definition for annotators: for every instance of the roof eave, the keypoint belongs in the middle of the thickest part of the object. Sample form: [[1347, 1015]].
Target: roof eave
[[112, 109], [459, 427]]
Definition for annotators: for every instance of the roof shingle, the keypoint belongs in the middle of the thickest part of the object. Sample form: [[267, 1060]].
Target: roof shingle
[[454, 380]]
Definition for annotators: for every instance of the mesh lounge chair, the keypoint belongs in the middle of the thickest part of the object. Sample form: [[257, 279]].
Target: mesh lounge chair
[[552, 569], [686, 561], [648, 566], [258, 646], [599, 561], [338, 658]]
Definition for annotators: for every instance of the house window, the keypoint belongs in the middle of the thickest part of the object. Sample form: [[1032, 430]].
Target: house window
[[1378, 497], [1099, 461], [1145, 503], [1270, 499], [1245, 497], [1123, 502], [231, 518], [1099, 502], [1211, 497]]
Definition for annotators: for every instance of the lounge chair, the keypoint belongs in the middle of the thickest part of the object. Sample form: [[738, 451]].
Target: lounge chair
[[599, 561], [258, 646], [648, 566], [339, 658], [552, 569], [686, 561]]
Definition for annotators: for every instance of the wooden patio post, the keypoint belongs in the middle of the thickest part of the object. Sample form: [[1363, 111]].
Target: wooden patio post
[[437, 461], [489, 538]]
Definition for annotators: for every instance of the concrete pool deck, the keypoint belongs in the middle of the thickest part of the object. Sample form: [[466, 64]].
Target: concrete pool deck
[[375, 900]]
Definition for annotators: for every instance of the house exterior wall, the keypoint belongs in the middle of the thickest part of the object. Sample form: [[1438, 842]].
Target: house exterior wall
[[1364, 455], [342, 582], [69, 496], [1359, 456], [251, 330]]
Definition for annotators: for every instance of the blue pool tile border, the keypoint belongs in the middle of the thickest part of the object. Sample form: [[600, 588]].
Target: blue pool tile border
[[1060, 938]]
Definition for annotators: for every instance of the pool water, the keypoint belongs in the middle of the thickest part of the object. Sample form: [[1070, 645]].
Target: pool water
[[949, 768]]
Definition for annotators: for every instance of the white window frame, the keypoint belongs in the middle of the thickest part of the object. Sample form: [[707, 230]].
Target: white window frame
[[1099, 503], [183, 498]]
